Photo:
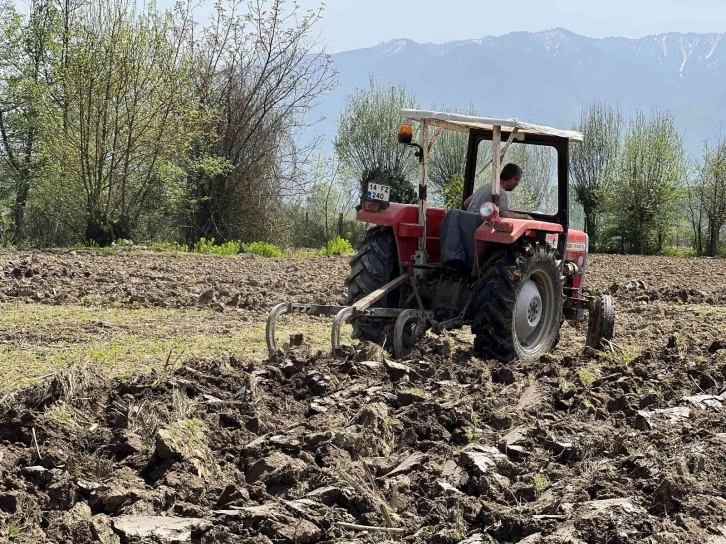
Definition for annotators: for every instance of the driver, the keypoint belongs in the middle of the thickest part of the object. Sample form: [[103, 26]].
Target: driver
[[510, 178]]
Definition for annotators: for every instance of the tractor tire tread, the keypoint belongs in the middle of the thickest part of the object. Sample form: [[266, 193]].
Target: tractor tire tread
[[371, 268]]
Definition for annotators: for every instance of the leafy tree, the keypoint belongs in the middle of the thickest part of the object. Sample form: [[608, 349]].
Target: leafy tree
[[712, 193], [645, 194], [125, 105], [116, 118], [366, 140], [537, 191], [454, 192], [26, 50], [592, 162], [694, 212]]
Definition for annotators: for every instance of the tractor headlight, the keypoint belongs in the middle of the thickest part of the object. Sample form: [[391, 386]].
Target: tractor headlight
[[487, 210]]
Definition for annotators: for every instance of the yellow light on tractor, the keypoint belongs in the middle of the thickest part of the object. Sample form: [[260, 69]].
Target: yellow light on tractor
[[405, 134]]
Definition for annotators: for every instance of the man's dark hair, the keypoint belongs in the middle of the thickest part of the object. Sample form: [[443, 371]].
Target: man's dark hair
[[510, 171]]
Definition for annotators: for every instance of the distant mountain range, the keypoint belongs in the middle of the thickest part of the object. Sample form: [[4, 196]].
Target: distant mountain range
[[547, 77]]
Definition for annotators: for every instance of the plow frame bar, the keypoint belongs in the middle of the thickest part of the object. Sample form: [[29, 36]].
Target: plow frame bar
[[340, 314]]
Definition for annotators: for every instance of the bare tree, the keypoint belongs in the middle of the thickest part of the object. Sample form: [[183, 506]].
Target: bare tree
[[260, 73], [326, 210], [593, 160]]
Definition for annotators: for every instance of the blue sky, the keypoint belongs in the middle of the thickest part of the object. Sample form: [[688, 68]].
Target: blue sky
[[352, 24]]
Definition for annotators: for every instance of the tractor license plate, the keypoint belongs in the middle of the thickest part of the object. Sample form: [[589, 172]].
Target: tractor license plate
[[379, 192]]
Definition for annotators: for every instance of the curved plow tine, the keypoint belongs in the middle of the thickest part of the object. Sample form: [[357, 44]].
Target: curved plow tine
[[276, 312], [399, 331], [341, 317]]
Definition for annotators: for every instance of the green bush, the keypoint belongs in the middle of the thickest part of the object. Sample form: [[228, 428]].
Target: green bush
[[233, 247], [673, 251], [304, 254], [169, 246], [263, 249], [337, 246], [204, 246], [208, 246]]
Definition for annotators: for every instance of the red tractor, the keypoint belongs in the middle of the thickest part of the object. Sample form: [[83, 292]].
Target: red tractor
[[512, 280]]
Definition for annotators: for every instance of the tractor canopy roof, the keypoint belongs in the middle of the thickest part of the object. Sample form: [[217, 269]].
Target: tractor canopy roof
[[464, 123]]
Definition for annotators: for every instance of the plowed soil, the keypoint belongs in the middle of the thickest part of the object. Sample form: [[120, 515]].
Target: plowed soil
[[622, 446]]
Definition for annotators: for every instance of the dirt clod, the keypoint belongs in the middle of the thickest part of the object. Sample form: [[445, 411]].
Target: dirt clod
[[162, 529]]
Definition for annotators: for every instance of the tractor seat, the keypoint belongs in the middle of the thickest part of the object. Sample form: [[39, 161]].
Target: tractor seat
[[457, 239]]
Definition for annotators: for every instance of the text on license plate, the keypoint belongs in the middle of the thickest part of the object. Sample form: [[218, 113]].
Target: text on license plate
[[379, 192]]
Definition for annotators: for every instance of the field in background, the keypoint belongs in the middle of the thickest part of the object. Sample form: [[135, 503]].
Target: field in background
[[126, 311]]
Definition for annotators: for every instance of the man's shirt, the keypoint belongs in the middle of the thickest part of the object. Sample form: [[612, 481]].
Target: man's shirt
[[484, 194]]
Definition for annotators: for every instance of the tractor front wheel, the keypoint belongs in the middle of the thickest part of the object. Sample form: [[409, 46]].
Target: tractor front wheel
[[371, 268], [518, 304]]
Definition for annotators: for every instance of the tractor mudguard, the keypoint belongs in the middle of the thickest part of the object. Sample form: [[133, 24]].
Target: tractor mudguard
[[394, 215], [403, 219], [508, 231]]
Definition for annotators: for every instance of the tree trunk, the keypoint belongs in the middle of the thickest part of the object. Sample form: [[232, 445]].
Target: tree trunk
[[699, 242], [713, 240], [21, 199]]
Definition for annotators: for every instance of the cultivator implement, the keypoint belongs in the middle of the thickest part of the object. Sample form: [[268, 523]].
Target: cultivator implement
[[345, 314]]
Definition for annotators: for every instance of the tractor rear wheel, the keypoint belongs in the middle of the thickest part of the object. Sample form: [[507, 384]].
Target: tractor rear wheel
[[372, 267], [518, 304]]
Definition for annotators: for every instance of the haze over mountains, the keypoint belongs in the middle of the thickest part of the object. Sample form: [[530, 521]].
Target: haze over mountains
[[547, 77]]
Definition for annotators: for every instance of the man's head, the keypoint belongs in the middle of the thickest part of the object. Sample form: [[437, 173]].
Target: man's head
[[510, 177]]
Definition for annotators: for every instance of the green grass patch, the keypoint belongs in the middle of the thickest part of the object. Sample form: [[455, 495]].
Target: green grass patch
[[473, 436], [210, 247], [625, 355], [674, 251], [174, 247], [263, 249], [588, 375], [541, 483], [125, 341], [415, 391]]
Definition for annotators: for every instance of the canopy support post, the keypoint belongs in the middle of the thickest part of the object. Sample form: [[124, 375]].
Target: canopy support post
[[421, 256], [496, 162]]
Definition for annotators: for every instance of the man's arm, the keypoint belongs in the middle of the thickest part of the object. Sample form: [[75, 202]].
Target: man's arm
[[467, 202]]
